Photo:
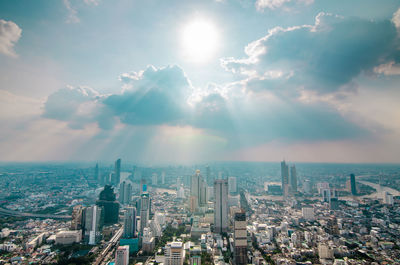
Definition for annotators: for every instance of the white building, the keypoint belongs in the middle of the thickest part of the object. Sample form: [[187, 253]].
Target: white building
[[122, 255], [174, 253]]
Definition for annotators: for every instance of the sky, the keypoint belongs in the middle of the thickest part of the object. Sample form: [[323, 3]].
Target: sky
[[160, 82]]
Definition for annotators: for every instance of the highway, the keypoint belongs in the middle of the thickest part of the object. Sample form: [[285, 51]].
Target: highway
[[110, 245], [34, 215]]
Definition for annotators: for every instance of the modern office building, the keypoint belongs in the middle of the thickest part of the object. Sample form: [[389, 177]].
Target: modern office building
[[92, 224], [129, 223], [76, 221], [240, 239], [198, 191], [122, 255], [125, 192], [221, 206]]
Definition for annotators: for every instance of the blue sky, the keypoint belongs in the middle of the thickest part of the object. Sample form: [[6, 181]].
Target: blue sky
[[193, 81]]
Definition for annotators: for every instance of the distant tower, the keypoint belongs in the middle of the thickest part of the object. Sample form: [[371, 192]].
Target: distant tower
[[285, 178], [96, 174], [122, 255], [208, 176], [154, 179], [221, 205], [240, 239], [353, 184], [130, 223], [117, 171], [232, 184], [293, 179]]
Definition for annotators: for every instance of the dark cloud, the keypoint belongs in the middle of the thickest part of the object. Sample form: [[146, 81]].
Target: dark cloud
[[321, 57]]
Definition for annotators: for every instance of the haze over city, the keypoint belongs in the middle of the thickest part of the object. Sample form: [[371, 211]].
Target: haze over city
[[161, 82], [208, 132]]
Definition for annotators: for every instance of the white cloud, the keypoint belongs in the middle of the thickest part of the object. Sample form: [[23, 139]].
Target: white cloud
[[396, 19], [9, 36], [274, 4], [72, 12], [390, 68]]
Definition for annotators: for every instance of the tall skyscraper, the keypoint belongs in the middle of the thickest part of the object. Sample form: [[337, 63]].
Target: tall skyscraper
[[293, 179], [110, 205], [76, 222], [129, 223], [93, 223], [240, 239], [125, 192], [144, 211], [117, 171], [285, 178], [198, 191], [232, 184], [122, 255], [174, 253], [221, 205], [353, 184]]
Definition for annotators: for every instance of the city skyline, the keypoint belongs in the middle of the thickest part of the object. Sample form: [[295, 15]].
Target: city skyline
[[188, 82]]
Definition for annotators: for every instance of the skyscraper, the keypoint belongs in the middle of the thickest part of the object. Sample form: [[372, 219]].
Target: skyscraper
[[125, 192], [129, 223], [117, 171], [293, 179], [198, 190], [285, 178], [144, 211], [353, 184], [76, 222], [122, 255], [221, 205], [110, 205], [93, 223], [240, 239], [232, 184]]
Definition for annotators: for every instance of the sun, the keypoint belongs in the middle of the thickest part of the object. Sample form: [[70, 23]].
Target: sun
[[199, 40]]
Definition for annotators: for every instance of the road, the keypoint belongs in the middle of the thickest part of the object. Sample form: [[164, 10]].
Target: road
[[110, 246], [34, 215]]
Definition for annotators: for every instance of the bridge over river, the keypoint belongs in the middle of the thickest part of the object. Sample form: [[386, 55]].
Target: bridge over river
[[33, 215]]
